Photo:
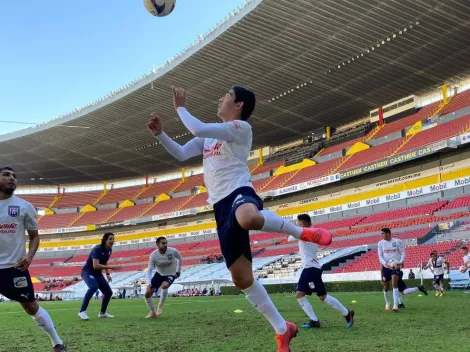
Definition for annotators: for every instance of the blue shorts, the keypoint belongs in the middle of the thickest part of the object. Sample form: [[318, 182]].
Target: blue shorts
[[438, 279], [158, 279], [387, 273], [16, 285], [234, 240], [311, 281]]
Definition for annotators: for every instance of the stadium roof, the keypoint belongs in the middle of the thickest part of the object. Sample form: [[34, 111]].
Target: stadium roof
[[332, 61]]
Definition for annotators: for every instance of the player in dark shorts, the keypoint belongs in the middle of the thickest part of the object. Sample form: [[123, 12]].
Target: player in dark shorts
[[16, 217]]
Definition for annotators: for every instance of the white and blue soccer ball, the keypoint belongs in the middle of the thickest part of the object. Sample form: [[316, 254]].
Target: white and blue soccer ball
[[160, 8], [393, 263]]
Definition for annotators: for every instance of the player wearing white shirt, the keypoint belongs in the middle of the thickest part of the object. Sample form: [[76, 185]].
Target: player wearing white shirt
[[466, 260], [167, 261], [436, 264], [311, 280], [18, 216], [225, 148], [392, 249]]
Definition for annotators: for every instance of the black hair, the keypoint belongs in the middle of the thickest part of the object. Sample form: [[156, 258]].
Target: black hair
[[7, 168], [247, 97], [161, 238], [433, 252], [105, 238], [464, 247], [306, 218], [386, 230]]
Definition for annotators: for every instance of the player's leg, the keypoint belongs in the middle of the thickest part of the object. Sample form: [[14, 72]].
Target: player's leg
[[396, 292], [306, 306], [151, 288], [90, 281], [164, 293], [17, 286], [107, 292], [386, 278], [251, 218]]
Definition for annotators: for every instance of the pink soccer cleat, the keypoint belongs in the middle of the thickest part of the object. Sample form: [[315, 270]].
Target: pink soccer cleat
[[316, 235]]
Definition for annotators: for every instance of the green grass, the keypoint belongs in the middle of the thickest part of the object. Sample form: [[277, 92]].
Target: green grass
[[209, 324]]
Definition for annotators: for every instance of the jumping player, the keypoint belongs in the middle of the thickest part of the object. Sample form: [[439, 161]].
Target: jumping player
[[16, 217], [225, 148], [311, 281], [168, 262], [92, 275], [393, 249], [436, 264]]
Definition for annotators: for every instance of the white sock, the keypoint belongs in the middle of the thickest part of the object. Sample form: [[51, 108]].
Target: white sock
[[436, 287], [275, 223], [396, 294], [163, 296], [441, 289], [307, 307], [150, 304], [43, 319], [334, 303], [400, 299], [387, 299], [256, 294], [410, 290]]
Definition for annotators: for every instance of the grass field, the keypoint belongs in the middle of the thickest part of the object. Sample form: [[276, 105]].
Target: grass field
[[209, 324]]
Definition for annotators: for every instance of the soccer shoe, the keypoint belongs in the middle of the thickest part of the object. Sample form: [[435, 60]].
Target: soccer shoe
[[311, 324], [350, 318], [283, 341], [395, 309], [159, 311], [443, 294], [59, 348], [387, 308], [438, 293], [401, 305], [423, 290], [316, 235], [83, 316], [151, 315], [105, 315]]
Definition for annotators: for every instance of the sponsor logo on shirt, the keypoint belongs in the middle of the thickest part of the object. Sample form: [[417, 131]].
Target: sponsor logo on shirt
[[8, 228], [14, 211], [214, 150]]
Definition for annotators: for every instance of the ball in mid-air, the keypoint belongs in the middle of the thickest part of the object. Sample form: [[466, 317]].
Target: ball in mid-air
[[160, 8]]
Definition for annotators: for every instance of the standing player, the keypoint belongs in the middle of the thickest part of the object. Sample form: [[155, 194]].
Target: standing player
[[311, 281], [436, 265], [225, 148], [466, 260], [168, 262], [393, 249], [16, 217], [92, 274]]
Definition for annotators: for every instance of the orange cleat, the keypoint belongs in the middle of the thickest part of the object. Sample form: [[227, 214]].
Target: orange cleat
[[387, 308], [159, 311], [283, 341], [316, 235]]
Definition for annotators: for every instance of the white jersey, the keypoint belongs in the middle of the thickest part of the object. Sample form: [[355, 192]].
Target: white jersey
[[16, 216], [308, 253], [466, 260], [393, 249], [437, 266], [167, 264], [225, 163]]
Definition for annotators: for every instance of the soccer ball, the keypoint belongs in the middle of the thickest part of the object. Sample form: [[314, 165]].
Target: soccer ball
[[160, 8], [462, 269], [393, 264]]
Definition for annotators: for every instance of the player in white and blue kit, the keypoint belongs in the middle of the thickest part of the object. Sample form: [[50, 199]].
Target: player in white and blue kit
[[311, 281], [436, 264], [466, 260], [392, 249], [18, 216], [167, 261], [225, 148]]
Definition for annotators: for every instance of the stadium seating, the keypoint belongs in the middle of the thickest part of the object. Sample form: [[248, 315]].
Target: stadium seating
[[94, 217], [267, 167], [190, 183], [120, 194], [199, 200], [57, 221], [458, 102], [76, 199], [39, 200], [315, 171], [158, 188], [458, 203], [340, 146], [129, 213]]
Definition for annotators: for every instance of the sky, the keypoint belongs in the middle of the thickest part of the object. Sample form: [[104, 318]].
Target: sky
[[58, 55]]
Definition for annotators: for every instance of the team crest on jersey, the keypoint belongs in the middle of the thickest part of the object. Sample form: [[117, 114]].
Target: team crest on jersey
[[14, 211], [170, 256], [394, 244]]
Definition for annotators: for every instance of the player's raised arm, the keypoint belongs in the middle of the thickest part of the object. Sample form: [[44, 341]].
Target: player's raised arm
[[234, 131], [180, 152]]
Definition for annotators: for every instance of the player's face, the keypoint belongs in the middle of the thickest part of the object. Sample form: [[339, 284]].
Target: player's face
[[464, 251], [434, 256], [228, 110], [8, 182], [110, 241], [303, 223], [386, 236], [162, 246]]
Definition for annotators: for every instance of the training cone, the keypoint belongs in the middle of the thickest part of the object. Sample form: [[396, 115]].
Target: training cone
[[353, 301], [420, 295], [238, 311]]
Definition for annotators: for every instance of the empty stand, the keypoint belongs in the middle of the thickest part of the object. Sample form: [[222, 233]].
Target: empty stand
[[57, 221], [129, 213], [158, 188], [460, 101], [190, 183], [268, 167], [166, 206], [458, 203], [120, 194], [340, 146], [38, 200], [313, 172], [94, 217], [199, 200]]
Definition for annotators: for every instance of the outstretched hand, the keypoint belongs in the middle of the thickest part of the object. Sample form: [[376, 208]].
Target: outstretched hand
[[179, 97], [155, 125]]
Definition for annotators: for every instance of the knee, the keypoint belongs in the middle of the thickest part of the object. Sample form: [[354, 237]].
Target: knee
[[250, 220], [299, 294], [322, 298], [31, 308], [242, 282]]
